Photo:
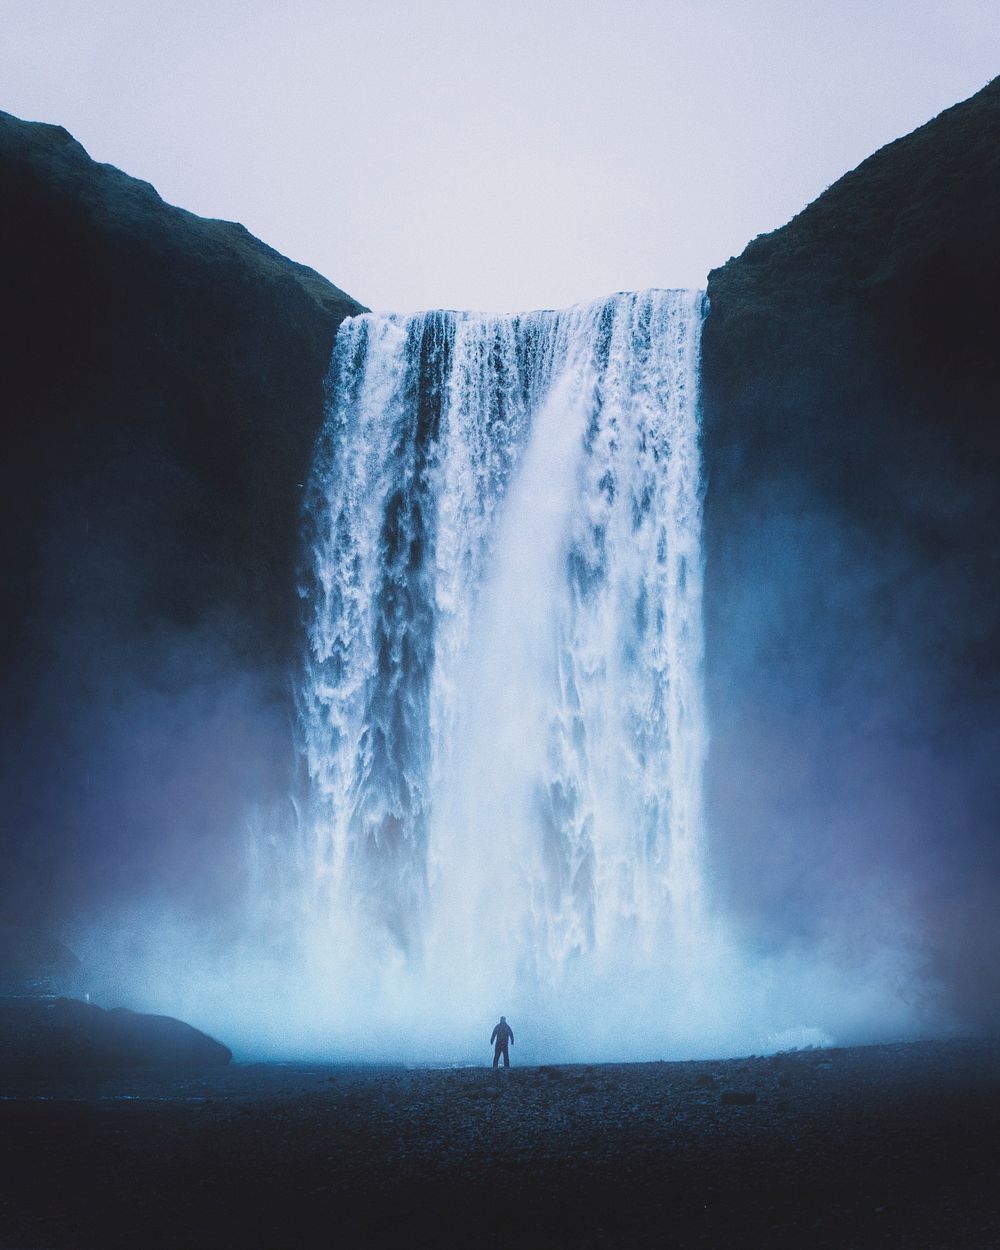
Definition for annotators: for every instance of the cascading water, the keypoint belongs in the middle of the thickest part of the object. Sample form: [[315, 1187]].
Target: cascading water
[[501, 713], [502, 730]]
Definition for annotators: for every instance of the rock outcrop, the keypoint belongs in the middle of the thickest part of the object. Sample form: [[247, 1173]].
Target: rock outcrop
[[65, 1034], [852, 442]]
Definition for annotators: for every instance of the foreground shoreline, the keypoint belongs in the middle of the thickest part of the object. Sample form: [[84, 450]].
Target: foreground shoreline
[[876, 1146]]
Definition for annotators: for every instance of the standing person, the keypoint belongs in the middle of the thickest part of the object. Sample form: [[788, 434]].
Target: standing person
[[501, 1036]]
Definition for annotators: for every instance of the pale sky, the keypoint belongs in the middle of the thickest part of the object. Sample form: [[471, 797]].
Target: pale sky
[[501, 155]]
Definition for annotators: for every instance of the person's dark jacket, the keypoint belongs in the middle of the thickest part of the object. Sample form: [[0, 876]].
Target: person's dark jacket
[[502, 1034]]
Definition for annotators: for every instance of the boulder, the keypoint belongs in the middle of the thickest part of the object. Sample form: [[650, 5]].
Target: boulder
[[65, 1034]]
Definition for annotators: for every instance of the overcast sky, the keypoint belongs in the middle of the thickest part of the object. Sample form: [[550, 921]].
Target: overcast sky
[[495, 155]]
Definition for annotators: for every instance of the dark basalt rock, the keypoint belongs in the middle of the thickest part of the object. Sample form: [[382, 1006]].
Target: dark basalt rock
[[851, 399], [64, 1034], [162, 389]]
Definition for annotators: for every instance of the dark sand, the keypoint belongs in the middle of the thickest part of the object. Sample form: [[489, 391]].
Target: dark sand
[[869, 1147]]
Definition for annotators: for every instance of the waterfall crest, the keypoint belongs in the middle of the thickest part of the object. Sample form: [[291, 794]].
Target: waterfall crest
[[501, 712]]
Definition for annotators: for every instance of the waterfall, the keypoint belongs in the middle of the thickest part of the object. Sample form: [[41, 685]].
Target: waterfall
[[501, 710]]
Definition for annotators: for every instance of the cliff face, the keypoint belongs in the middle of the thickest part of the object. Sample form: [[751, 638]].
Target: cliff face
[[162, 385], [851, 406]]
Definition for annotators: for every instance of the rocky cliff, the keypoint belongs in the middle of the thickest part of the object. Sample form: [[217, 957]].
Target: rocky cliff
[[852, 398], [162, 389]]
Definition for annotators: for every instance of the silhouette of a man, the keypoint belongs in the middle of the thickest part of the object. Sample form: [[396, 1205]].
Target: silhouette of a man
[[502, 1036]]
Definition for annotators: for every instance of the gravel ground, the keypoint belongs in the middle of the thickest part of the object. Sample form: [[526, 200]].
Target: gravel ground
[[868, 1147]]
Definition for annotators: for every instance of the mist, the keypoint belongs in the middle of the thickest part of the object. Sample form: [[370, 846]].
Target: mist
[[512, 820], [849, 783]]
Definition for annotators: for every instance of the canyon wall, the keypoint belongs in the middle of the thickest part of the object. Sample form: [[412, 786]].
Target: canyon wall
[[162, 391], [851, 401]]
